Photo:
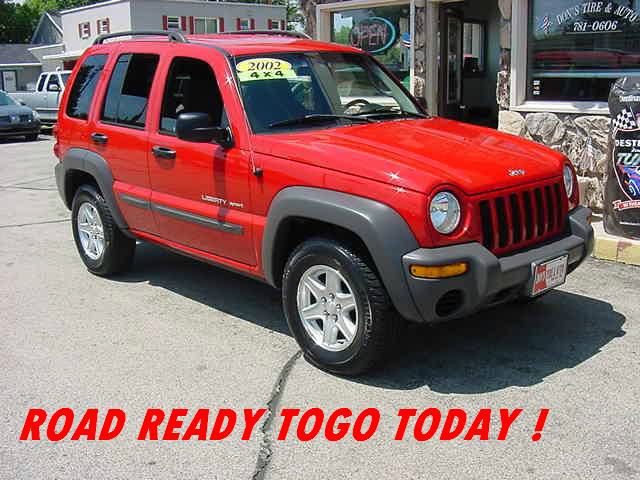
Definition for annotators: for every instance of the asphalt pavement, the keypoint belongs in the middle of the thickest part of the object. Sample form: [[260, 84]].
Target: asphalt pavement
[[176, 333]]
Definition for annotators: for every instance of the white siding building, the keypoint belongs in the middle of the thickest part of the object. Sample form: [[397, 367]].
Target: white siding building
[[83, 24]]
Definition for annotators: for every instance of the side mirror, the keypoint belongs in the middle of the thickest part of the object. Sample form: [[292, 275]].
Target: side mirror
[[53, 88], [195, 127], [21, 102]]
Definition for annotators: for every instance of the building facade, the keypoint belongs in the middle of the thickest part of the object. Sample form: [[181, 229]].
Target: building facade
[[19, 68], [540, 69], [83, 24]]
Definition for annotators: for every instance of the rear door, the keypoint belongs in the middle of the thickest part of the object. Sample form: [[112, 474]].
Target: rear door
[[119, 131], [200, 191]]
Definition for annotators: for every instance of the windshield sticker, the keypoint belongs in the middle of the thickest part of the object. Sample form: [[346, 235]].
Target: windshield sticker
[[264, 69]]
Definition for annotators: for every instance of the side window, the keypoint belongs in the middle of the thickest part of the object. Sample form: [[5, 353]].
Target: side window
[[53, 83], [128, 92], [43, 78], [191, 87], [84, 86]]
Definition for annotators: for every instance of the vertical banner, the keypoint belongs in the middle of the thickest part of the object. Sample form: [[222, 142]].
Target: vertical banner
[[622, 188]]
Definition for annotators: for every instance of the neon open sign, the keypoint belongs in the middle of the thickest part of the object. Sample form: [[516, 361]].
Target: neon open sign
[[373, 35]]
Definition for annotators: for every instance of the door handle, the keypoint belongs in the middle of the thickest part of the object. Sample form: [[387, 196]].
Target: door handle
[[163, 152], [99, 138]]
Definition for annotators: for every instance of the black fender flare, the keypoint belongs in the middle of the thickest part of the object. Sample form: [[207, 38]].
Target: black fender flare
[[382, 229], [95, 165]]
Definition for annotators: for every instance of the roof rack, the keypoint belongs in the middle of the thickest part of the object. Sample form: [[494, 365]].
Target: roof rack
[[172, 36], [282, 33]]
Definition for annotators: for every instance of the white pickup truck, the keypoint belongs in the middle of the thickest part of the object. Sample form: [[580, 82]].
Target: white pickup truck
[[45, 99]]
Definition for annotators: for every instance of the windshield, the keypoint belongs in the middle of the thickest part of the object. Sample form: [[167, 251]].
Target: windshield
[[281, 91], [6, 100]]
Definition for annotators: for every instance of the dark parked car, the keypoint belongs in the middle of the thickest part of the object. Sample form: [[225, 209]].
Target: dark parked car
[[17, 120]]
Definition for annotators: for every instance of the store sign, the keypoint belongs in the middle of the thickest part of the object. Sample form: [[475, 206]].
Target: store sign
[[373, 35], [591, 17]]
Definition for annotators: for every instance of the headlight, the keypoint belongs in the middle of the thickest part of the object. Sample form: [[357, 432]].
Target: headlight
[[567, 174], [445, 212], [35, 115]]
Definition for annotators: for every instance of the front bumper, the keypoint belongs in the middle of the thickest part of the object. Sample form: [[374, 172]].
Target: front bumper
[[490, 279], [19, 129]]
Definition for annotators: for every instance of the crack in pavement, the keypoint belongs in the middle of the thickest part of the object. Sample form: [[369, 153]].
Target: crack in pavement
[[13, 187], [12, 225], [33, 180], [266, 451]]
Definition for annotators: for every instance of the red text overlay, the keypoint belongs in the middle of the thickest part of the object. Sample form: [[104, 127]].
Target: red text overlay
[[430, 424]]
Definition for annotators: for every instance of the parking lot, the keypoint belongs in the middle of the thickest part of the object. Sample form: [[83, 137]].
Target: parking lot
[[175, 333]]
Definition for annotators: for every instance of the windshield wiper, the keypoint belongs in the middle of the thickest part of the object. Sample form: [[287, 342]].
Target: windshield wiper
[[319, 117], [387, 111]]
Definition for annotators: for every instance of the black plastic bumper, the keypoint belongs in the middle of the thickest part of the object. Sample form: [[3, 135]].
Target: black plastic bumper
[[19, 129], [490, 279]]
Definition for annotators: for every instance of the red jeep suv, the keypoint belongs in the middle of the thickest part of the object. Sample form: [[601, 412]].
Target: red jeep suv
[[308, 166]]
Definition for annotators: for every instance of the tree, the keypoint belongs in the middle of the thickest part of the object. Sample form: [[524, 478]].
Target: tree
[[293, 16], [17, 23], [308, 13]]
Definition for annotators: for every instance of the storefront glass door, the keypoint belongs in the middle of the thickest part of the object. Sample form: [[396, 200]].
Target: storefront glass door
[[451, 24], [381, 31]]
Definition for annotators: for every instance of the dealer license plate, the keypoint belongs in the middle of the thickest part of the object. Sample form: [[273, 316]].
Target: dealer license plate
[[547, 275]]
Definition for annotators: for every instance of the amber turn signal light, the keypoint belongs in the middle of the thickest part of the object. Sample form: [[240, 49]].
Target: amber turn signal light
[[439, 271]]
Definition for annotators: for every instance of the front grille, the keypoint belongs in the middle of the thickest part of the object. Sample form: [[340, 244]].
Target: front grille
[[517, 219], [25, 118], [4, 119]]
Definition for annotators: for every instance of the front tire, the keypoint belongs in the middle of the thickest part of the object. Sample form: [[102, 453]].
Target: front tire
[[104, 249], [32, 137], [337, 308]]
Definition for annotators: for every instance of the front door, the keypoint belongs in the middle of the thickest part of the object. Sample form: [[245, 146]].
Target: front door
[[9, 82], [200, 191], [451, 62]]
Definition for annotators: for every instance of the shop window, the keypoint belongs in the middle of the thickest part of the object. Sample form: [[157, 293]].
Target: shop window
[[381, 31], [273, 24], [577, 49], [84, 30], [206, 25], [244, 24], [474, 46], [173, 23]]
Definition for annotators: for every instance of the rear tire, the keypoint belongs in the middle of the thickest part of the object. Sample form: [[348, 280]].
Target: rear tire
[[337, 308], [104, 249]]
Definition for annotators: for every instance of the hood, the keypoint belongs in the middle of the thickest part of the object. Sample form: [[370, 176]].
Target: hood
[[420, 154], [14, 110]]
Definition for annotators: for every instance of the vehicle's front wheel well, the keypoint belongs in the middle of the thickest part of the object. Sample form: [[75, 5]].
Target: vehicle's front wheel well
[[74, 180], [295, 230]]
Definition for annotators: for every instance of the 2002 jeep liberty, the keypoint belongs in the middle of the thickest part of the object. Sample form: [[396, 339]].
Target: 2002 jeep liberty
[[308, 166]]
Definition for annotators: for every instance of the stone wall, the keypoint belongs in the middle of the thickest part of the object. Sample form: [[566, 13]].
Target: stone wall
[[582, 138]]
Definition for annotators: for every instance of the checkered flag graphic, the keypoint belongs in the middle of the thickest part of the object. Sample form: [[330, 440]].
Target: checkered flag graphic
[[625, 120]]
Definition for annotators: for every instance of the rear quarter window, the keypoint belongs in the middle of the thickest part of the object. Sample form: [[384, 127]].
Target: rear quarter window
[[84, 86]]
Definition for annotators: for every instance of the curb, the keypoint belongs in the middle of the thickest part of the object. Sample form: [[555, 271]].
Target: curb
[[616, 249]]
